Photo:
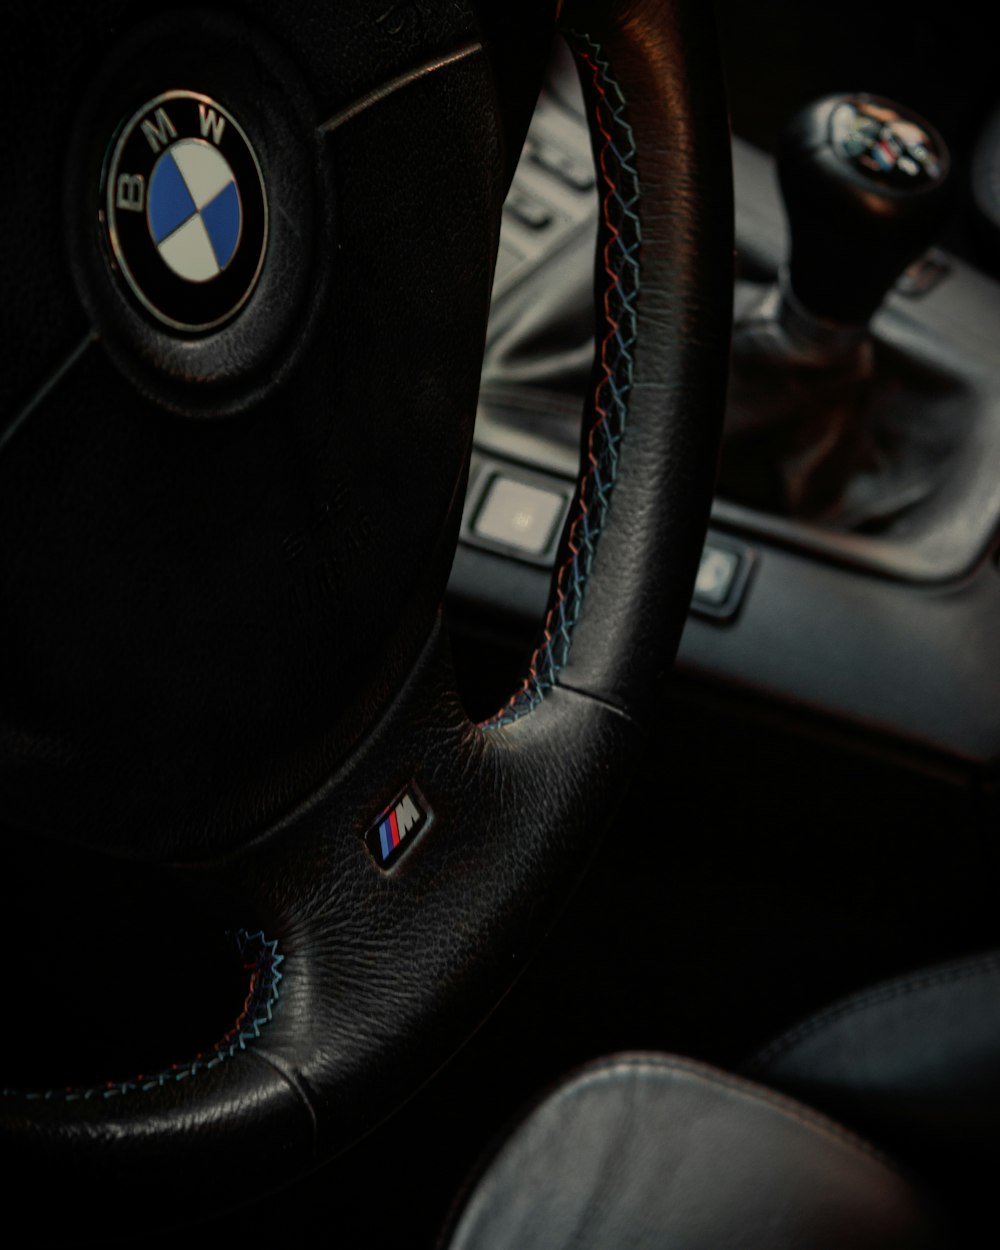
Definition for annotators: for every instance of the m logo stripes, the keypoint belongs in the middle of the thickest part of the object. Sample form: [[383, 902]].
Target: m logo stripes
[[397, 827]]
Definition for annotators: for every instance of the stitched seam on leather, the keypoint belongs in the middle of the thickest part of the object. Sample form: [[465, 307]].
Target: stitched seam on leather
[[787, 1107], [262, 962], [294, 1083], [871, 998], [621, 261]]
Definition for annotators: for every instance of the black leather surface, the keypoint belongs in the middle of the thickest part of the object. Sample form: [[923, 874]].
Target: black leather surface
[[383, 974], [676, 101], [914, 1063], [646, 1152], [201, 617]]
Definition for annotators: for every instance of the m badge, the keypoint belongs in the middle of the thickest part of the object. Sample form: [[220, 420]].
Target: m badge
[[185, 211], [397, 828]]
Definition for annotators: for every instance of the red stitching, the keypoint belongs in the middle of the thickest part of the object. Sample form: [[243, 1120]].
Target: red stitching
[[570, 579]]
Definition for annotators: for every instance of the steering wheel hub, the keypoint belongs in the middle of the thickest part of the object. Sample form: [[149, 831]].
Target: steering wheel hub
[[199, 217]]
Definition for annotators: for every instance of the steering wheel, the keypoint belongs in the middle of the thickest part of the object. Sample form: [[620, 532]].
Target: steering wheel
[[263, 874]]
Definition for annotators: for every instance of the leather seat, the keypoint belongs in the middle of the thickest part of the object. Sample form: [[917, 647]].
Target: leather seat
[[650, 1150], [913, 1063]]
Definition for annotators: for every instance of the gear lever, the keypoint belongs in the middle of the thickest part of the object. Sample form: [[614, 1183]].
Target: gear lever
[[864, 184]]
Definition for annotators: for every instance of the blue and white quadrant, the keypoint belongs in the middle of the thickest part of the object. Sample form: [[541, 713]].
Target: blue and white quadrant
[[193, 210]]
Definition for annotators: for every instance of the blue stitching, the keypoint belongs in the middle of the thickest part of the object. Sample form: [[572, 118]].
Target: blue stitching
[[263, 961], [621, 260]]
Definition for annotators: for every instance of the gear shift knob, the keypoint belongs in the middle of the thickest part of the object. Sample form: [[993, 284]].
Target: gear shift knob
[[864, 184]]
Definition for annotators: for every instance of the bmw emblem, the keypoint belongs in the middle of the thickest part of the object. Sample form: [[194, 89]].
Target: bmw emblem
[[185, 210]]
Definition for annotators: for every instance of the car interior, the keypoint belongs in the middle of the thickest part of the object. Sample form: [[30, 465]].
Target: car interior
[[624, 952]]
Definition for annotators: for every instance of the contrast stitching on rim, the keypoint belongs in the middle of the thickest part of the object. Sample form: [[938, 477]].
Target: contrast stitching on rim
[[619, 203], [262, 961]]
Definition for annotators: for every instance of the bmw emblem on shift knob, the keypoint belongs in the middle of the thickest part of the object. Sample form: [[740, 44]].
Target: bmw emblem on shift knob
[[186, 211]]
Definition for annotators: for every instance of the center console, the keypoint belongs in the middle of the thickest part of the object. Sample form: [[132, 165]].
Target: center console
[[849, 578]]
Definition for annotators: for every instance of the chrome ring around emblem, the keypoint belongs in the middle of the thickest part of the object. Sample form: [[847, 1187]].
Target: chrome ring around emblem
[[185, 210]]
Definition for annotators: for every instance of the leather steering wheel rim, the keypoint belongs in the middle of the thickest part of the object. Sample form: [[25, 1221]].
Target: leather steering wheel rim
[[362, 980]]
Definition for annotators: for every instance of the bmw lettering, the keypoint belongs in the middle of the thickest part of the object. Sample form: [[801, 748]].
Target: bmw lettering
[[185, 210]]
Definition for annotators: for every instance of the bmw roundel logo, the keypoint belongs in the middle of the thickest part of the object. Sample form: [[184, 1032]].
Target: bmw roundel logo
[[185, 210]]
